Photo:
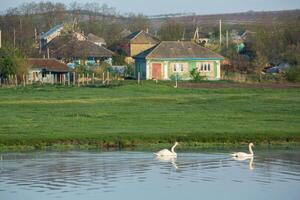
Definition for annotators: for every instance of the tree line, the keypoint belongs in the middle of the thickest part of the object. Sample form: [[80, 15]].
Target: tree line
[[22, 25]]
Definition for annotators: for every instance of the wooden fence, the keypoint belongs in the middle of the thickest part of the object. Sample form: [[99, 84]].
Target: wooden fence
[[67, 79]]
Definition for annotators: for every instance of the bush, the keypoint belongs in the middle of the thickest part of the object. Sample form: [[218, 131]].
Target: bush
[[12, 62], [195, 74], [293, 74]]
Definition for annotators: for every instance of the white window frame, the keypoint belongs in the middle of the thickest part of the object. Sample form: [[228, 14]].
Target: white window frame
[[178, 67], [204, 66]]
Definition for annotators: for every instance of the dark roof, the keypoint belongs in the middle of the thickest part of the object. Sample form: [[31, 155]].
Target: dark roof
[[48, 64], [94, 38], [178, 49], [70, 47], [140, 37]]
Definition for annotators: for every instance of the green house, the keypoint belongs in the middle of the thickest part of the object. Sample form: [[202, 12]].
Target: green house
[[177, 58]]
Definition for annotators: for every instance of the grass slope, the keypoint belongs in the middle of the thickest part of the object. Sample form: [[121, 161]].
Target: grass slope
[[147, 114]]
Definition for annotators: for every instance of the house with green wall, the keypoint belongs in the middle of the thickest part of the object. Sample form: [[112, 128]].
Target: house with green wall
[[177, 58]]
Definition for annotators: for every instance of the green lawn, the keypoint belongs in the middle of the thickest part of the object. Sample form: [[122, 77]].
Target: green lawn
[[147, 114]]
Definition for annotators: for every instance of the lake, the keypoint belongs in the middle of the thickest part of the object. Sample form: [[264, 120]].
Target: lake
[[84, 175]]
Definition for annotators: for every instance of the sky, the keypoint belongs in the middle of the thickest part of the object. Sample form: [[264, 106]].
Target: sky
[[153, 7]]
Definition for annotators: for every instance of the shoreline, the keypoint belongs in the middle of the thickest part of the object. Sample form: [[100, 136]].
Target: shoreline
[[184, 146]]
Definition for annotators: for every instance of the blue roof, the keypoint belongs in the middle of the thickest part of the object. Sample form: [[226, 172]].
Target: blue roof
[[51, 31]]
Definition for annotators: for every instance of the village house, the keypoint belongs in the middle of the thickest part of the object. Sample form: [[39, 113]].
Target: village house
[[73, 48], [134, 44], [47, 70], [177, 58], [76, 49]]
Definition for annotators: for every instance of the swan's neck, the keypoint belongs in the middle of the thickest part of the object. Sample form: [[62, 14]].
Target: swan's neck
[[173, 148], [250, 150]]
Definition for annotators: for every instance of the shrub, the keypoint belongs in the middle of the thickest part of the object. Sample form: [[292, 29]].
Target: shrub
[[11, 63], [293, 74], [195, 74]]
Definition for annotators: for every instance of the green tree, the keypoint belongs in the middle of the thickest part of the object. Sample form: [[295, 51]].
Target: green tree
[[171, 30], [138, 22], [12, 63]]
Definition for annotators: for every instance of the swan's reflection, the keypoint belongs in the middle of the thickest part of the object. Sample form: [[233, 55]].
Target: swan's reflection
[[169, 159], [246, 158]]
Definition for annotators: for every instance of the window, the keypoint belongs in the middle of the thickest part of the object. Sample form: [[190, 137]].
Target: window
[[178, 67], [204, 67]]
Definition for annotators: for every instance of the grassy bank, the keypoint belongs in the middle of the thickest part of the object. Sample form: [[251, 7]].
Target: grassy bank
[[132, 115]]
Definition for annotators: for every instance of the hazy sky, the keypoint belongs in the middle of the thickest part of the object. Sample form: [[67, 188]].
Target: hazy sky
[[150, 7]]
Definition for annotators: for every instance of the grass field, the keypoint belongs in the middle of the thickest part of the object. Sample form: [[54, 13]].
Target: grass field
[[150, 113]]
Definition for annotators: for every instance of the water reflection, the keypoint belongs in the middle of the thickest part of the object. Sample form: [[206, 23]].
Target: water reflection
[[246, 159], [111, 175], [168, 159]]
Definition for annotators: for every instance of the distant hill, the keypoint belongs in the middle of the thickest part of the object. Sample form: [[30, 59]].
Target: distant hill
[[245, 18]]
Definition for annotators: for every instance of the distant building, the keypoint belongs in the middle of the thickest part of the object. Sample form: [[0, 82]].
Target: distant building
[[77, 49], [177, 58], [47, 70], [135, 43], [96, 40], [47, 37]]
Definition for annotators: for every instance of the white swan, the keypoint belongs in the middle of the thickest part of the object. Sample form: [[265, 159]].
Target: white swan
[[166, 152], [244, 155]]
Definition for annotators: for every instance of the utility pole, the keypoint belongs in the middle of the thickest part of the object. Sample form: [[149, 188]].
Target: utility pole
[[48, 53], [0, 39], [183, 35], [227, 39], [220, 34], [40, 45], [35, 35], [14, 38], [21, 31], [196, 35]]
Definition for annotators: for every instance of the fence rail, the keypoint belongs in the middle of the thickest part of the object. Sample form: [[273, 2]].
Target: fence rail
[[67, 79]]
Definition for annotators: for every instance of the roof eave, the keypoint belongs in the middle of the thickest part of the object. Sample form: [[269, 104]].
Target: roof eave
[[148, 58]]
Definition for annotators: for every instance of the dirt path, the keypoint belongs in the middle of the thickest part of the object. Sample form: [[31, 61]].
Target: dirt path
[[240, 85]]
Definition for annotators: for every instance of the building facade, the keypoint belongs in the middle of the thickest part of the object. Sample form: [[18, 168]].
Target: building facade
[[177, 58]]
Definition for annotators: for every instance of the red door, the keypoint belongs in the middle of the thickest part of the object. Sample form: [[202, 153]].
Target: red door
[[156, 71]]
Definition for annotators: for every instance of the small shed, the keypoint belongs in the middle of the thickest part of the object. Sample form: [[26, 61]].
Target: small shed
[[47, 70]]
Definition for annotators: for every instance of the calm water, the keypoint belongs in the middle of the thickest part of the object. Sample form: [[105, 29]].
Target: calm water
[[139, 175]]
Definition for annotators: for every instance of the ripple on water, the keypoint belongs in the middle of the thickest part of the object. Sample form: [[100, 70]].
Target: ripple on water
[[81, 173]]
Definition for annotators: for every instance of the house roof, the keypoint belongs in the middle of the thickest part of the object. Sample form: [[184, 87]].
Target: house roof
[[51, 31], [178, 50], [125, 32], [51, 65], [94, 38], [141, 37], [70, 47]]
